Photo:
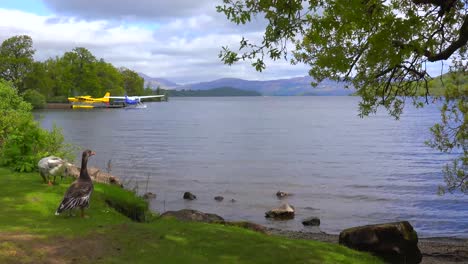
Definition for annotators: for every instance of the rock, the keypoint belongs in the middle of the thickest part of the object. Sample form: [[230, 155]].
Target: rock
[[281, 194], [189, 196], [233, 200], [96, 175], [149, 195], [249, 225], [311, 221], [194, 215], [285, 211], [219, 198], [395, 242]]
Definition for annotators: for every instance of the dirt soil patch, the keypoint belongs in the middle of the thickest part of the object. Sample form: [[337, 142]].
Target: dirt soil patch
[[27, 248]]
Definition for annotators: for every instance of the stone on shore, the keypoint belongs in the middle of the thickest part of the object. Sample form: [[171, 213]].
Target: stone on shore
[[311, 221], [284, 212], [149, 195], [219, 198], [96, 175], [189, 196], [395, 242], [193, 215]]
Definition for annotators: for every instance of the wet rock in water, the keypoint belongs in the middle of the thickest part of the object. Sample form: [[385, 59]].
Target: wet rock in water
[[285, 211], [189, 196], [219, 198], [281, 194], [233, 200], [149, 195], [395, 242], [311, 221], [194, 215]]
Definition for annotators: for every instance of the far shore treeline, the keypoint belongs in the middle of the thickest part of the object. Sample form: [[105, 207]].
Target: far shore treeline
[[215, 92], [76, 72]]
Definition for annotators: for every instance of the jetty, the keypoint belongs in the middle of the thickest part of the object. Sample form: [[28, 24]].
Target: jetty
[[81, 106]]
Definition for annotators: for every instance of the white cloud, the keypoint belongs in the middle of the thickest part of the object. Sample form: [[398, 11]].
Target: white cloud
[[182, 50], [146, 10]]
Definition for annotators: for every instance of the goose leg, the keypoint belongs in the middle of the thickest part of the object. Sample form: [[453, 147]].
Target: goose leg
[[82, 213], [43, 177]]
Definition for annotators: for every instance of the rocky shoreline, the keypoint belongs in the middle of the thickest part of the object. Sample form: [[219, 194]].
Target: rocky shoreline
[[434, 250]]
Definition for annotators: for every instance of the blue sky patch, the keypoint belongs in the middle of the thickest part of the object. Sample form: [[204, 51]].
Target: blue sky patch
[[30, 6]]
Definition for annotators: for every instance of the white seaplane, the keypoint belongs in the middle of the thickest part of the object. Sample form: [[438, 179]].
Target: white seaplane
[[134, 101]]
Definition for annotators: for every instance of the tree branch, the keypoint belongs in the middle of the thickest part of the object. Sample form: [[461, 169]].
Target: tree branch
[[460, 42], [445, 5]]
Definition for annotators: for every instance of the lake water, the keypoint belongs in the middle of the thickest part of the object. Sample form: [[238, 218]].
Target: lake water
[[343, 169]]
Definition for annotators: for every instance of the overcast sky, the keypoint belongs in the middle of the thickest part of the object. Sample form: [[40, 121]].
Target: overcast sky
[[174, 39]]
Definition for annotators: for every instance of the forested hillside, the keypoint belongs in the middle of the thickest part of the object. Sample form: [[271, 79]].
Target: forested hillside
[[216, 92], [438, 86]]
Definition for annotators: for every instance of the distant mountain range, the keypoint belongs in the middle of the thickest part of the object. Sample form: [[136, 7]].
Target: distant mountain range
[[285, 87], [155, 82]]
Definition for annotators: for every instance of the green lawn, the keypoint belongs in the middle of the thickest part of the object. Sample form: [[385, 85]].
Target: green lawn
[[31, 233]]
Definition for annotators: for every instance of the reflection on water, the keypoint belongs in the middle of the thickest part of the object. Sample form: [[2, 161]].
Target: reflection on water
[[346, 170]]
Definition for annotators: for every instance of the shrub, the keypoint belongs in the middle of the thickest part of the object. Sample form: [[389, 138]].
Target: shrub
[[22, 141], [36, 99]]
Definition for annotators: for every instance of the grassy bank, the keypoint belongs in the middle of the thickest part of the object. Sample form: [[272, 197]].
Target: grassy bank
[[31, 233]]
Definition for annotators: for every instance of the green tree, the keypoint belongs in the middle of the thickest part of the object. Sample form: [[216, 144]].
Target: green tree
[[38, 79], [132, 82], [36, 99], [110, 79], [79, 70], [16, 59], [380, 47], [22, 141]]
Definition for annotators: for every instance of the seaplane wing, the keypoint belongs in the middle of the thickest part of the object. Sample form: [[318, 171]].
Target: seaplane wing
[[149, 96], [135, 97]]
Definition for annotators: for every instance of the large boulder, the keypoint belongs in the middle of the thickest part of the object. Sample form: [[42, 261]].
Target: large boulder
[[394, 242], [285, 211], [193, 215]]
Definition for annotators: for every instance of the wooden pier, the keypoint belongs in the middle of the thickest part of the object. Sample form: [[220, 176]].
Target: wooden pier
[[81, 106]]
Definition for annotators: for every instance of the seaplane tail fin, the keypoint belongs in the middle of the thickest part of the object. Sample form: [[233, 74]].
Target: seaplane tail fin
[[106, 97]]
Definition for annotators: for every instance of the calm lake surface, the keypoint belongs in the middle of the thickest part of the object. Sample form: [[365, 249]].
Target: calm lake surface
[[343, 169]]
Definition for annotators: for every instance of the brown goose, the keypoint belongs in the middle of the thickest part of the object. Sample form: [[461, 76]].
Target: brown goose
[[79, 192]]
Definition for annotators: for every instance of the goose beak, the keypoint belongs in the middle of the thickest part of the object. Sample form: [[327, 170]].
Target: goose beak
[[92, 153]]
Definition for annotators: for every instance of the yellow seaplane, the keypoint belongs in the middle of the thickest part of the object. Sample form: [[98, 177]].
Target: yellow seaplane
[[87, 101]]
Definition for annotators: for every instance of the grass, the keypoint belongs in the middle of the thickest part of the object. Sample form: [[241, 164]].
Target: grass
[[31, 233], [125, 202]]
